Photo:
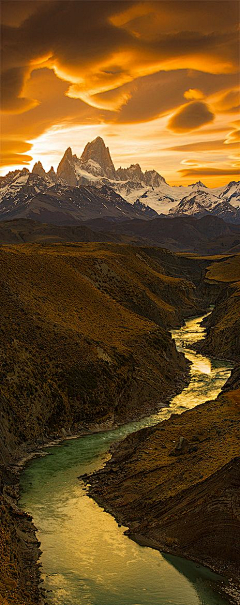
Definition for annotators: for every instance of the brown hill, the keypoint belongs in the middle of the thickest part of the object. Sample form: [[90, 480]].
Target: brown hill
[[84, 342], [20, 231], [187, 504], [187, 501], [208, 235], [81, 326]]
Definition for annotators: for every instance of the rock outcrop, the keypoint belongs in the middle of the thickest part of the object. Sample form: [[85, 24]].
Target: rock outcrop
[[38, 169], [223, 326], [65, 169], [97, 152], [153, 178], [52, 174], [134, 174]]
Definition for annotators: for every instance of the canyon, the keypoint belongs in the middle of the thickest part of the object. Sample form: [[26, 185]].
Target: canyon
[[86, 346]]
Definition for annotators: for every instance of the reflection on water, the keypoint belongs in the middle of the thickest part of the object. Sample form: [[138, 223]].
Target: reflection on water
[[87, 559], [207, 376]]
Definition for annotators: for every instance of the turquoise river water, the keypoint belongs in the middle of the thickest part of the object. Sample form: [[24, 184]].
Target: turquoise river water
[[86, 558]]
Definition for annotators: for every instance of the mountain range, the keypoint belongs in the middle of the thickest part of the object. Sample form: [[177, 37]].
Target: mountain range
[[90, 187]]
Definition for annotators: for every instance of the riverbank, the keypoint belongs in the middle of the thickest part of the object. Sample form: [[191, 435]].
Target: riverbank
[[20, 550], [177, 485], [84, 332], [43, 473]]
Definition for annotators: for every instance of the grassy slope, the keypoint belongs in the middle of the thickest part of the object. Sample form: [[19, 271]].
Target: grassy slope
[[83, 340], [80, 325]]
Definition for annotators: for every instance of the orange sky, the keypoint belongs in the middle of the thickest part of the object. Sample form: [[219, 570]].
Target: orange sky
[[159, 81]]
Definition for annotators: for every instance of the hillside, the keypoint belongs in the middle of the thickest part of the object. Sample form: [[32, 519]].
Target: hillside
[[84, 345], [20, 231], [176, 485], [223, 327], [185, 502], [88, 322], [207, 235]]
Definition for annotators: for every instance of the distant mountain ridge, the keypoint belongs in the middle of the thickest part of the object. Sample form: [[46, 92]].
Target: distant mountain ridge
[[28, 195], [206, 235], [90, 187]]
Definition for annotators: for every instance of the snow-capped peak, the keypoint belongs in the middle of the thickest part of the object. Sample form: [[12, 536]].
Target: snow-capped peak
[[148, 189], [197, 185]]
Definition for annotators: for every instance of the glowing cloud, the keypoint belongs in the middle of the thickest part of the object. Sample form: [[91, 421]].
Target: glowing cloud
[[193, 93], [190, 116], [152, 70]]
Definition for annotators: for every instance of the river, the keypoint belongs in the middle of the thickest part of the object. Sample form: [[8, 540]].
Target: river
[[86, 558]]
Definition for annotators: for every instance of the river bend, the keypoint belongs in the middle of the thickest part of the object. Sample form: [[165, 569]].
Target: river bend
[[86, 558]]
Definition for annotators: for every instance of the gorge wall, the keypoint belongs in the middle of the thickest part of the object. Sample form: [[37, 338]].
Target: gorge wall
[[85, 344], [178, 482]]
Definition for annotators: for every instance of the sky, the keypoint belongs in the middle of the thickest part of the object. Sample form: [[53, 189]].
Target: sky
[[159, 81]]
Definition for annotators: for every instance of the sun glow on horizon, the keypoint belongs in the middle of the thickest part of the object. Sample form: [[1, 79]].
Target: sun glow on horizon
[[133, 143], [156, 83]]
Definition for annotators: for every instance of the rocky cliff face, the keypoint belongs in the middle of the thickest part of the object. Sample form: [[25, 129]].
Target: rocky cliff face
[[97, 152], [19, 551], [153, 178], [66, 170], [134, 174], [52, 174], [38, 169], [223, 326]]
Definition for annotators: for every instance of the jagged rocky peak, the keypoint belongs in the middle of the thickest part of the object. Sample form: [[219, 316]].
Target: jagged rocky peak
[[52, 174], [66, 169], [96, 151], [68, 154], [38, 169], [153, 178], [198, 185], [12, 175], [133, 173]]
